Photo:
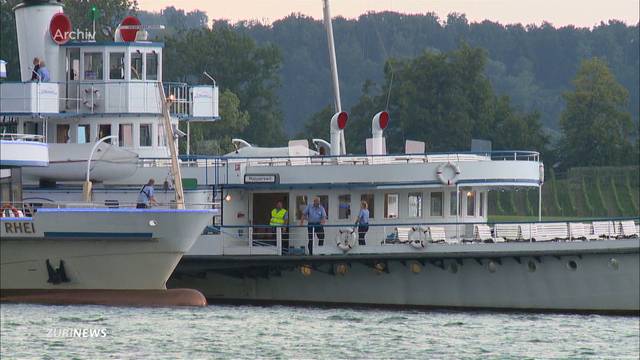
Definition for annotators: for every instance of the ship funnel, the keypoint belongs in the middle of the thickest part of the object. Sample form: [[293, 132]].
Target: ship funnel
[[40, 28], [338, 123], [378, 124]]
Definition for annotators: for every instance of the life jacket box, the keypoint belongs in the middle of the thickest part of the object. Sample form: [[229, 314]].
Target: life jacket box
[[296, 250]]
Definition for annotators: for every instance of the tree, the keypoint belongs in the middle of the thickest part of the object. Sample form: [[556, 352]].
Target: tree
[[237, 64], [596, 128], [215, 138], [108, 13]]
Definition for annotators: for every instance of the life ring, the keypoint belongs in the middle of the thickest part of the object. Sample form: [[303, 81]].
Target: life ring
[[417, 236], [440, 173], [346, 239], [8, 209], [90, 97]]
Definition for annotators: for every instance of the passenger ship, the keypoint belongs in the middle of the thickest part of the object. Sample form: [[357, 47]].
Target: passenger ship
[[429, 243]]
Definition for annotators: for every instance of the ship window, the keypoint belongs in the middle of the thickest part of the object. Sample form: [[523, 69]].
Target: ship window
[[471, 203], [436, 204], [369, 198], [83, 134], [390, 206], [74, 64], [415, 205], [104, 130], [145, 135], [301, 204], [324, 201], [152, 66], [162, 140], [116, 66], [453, 203], [125, 135], [481, 210], [136, 66], [93, 66], [62, 133], [344, 207]]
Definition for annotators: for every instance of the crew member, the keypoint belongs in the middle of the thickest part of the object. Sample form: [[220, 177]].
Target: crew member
[[280, 218], [316, 215], [146, 196], [34, 72], [363, 222], [43, 72]]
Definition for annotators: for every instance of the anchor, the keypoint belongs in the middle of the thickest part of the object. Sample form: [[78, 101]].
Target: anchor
[[57, 276]]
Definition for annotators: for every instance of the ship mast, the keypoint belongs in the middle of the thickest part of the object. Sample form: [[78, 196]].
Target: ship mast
[[334, 69]]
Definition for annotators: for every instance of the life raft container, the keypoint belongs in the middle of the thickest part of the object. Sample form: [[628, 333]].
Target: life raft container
[[440, 173], [346, 238]]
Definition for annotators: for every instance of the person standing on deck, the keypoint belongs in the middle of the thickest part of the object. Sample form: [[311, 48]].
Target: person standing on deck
[[146, 196], [35, 76], [280, 218], [363, 222], [43, 72], [316, 215]]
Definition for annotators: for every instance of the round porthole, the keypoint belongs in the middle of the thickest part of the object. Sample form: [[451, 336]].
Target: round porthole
[[531, 266], [614, 264], [492, 267], [453, 268], [572, 265], [153, 222]]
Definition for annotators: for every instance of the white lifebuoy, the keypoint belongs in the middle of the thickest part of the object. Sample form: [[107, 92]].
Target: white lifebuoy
[[418, 236], [346, 238], [90, 97], [440, 173]]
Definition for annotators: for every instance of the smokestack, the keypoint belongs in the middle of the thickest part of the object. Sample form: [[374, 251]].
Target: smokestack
[[338, 123], [33, 20], [378, 124]]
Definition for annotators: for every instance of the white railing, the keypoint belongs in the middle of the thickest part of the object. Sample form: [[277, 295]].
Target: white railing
[[22, 137]]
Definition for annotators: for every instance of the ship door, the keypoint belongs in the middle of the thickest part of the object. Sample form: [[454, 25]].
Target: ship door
[[263, 203]]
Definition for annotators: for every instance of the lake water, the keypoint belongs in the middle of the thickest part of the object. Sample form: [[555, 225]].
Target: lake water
[[283, 332]]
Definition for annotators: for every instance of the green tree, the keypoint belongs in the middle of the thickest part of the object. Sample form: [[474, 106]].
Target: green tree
[[108, 13], [596, 127]]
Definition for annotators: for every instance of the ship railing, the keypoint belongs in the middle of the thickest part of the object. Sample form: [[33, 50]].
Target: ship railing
[[29, 207], [394, 237], [22, 137]]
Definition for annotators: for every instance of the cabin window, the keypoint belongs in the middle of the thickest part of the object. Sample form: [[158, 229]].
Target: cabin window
[[93, 66], [436, 203], [62, 133], [152, 66], [145, 135], [301, 204], [83, 134], [415, 205], [32, 127], [116, 66], [136, 66], [324, 201], [74, 64], [453, 203], [369, 198], [344, 207], [471, 203], [104, 130], [390, 206], [125, 135], [481, 209], [162, 140]]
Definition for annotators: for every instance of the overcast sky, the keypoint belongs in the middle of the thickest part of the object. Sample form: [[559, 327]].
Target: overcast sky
[[584, 13]]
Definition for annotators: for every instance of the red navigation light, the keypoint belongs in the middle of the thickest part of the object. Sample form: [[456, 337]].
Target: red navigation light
[[59, 28], [383, 120], [129, 35], [342, 120]]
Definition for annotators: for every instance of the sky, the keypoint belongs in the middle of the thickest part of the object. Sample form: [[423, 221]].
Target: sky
[[582, 13]]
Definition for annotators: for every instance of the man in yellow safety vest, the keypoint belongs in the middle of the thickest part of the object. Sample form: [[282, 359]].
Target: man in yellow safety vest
[[280, 218]]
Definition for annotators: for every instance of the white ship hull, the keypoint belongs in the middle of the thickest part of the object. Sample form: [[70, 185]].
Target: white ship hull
[[115, 249], [606, 277]]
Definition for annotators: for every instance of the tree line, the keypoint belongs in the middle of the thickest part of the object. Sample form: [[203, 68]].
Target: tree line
[[569, 92]]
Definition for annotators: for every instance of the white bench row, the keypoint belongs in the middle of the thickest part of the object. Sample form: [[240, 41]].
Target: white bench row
[[524, 232]]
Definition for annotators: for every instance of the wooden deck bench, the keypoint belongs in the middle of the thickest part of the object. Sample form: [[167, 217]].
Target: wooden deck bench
[[507, 232], [552, 231]]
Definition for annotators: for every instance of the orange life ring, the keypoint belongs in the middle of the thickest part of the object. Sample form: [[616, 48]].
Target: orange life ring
[[13, 209]]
